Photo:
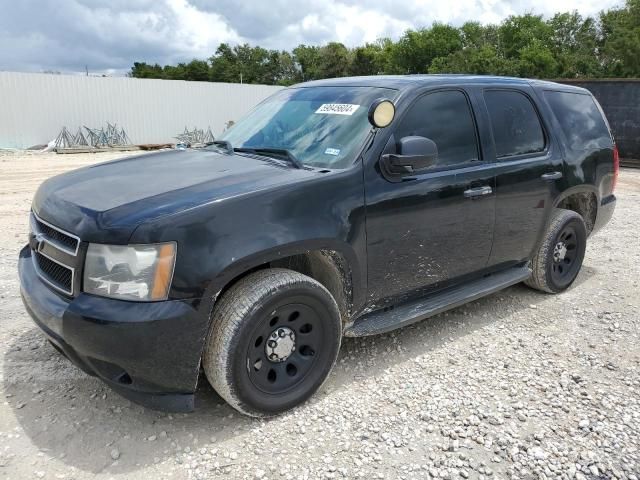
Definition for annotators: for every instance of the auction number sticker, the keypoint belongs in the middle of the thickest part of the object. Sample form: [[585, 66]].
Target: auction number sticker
[[337, 108]]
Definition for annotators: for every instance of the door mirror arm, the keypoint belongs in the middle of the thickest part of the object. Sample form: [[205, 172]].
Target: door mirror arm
[[406, 164], [415, 155]]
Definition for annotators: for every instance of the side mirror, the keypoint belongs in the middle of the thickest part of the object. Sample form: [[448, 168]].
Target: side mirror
[[381, 113], [415, 154]]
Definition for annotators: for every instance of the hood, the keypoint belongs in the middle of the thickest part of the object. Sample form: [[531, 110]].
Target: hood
[[114, 197]]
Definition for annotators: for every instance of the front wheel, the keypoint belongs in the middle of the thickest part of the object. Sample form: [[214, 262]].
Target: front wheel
[[274, 339], [557, 262]]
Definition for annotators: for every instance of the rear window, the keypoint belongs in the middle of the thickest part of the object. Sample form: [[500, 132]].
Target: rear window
[[515, 123], [580, 120]]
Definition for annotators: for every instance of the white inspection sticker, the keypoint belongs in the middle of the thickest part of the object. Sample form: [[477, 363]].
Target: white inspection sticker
[[337, 108], [332, 151]]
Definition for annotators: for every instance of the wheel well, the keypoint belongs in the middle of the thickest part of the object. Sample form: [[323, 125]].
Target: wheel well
[[325, 266], [583, 203]]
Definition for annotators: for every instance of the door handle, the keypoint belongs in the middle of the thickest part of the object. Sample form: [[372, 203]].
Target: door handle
[[552, 176], [478, 192]]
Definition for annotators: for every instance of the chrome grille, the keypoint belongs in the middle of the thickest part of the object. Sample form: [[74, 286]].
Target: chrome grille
[[53, 235], [54, 254], [54, 273]]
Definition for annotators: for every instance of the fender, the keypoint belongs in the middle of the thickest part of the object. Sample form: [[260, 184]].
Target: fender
[[243, 265], [584, 188], [226, 239]]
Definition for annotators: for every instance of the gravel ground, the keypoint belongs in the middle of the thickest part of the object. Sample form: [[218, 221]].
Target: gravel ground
[[519, 385]]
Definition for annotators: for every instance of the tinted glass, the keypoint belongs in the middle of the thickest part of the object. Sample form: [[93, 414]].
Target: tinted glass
[[580, 120], [445, 118], [515, 123], [321, 126]]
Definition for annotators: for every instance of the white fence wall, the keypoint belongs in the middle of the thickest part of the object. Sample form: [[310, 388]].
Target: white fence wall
[[34, 107]]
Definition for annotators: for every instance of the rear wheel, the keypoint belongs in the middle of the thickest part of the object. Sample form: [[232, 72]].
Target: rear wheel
[[557, 262], [274, 339]]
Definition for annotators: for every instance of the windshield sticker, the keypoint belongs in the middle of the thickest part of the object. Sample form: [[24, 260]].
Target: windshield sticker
[[332, 151], [337, 108]]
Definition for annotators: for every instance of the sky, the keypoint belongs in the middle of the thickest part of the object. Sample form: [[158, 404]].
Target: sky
[[107, 36]]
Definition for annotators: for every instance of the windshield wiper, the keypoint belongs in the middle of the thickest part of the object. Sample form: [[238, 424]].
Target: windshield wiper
[[228, 148], [273, 152]]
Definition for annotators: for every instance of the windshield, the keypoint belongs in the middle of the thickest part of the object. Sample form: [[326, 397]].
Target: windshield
[[321, 126]]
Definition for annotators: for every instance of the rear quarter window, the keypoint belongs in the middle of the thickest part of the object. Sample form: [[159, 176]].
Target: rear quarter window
[[580, 120]]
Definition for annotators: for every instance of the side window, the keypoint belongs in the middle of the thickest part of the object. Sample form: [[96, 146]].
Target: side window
[[445, 118], [515, 123], [580, 120]]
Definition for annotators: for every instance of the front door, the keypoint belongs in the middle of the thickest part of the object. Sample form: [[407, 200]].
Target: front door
[[433, 228]]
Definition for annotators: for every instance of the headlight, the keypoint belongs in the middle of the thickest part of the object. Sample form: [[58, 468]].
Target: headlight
[[130, 272]]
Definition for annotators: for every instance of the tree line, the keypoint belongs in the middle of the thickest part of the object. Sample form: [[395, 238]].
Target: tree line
[[566, 45]]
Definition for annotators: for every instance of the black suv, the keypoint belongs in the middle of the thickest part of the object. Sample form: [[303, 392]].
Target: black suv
[[350, 206]]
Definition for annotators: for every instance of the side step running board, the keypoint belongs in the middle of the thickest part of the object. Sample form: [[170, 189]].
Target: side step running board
[[380, 321]]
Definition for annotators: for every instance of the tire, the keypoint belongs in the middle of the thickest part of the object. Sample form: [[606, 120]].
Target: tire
[[275, 337], [555, 268]]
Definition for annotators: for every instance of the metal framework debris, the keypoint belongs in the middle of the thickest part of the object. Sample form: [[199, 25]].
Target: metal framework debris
[[80, 139], [111, 136], [64, 139], [195, 136]]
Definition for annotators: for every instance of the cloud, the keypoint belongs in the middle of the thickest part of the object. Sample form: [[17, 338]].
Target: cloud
[[104, 34], [109, 35]]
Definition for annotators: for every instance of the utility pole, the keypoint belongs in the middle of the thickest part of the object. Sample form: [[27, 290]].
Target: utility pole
[[86, 69]]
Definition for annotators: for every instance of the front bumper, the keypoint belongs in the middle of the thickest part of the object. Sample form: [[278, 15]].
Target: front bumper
[[148, 352]]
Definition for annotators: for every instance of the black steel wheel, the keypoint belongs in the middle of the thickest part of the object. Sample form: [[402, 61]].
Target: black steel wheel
[[283, 347], [564, 255], [557, 262], [274, 339]]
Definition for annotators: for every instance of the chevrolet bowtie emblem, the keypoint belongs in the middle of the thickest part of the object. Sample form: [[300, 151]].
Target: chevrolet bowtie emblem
[[39, 242]]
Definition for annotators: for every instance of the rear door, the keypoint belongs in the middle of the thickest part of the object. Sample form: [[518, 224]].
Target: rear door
[[529, 171]]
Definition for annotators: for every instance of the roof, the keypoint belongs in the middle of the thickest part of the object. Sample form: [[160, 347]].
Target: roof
[[401, 82]]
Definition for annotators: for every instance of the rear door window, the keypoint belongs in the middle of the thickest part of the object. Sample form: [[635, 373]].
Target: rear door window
[[515, 123], [580, 120]]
